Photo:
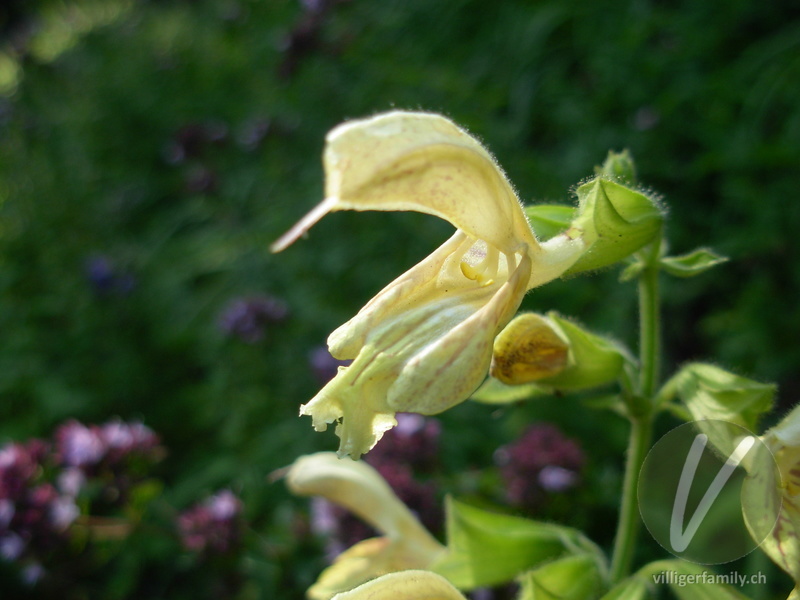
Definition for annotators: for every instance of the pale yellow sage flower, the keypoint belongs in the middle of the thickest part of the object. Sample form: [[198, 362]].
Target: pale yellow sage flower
[[356, 486], [406, 585], [424, 343], [780, 495]]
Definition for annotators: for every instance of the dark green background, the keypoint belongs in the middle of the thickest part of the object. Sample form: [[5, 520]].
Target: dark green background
[[706, 95]]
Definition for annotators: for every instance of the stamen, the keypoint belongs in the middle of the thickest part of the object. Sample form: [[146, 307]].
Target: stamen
[[304, 224], [511, 263], [484, 271]]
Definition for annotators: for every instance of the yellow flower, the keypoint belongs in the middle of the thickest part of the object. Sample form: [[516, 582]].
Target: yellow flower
[[778, 494], [356, 486], [406, 585], [424, 343]]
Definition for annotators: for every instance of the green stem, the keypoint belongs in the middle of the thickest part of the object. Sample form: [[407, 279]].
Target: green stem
[[649, 328], [641, 413], [628, 527]]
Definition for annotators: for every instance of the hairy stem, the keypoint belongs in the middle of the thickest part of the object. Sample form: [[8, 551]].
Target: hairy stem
[[649, 327], [629, 522], [641, 413]]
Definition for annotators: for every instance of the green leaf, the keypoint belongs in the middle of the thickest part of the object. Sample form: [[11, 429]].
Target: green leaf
[[548, 220], [616, 220], [691, 264], [141, 496], [718, 401], [494, 391], [713, 393], [570, 578], [632, 588], [678, 410], [611, 402], [485, 548]]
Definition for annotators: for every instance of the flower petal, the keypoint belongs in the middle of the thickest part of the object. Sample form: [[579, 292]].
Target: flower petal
[[364, 561], [424, 282], [782, 544], [448, 371], [360, 489], [362, 409], [420, 162], [405, 585]]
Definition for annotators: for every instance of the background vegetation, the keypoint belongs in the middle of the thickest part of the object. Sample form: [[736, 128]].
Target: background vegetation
[[151, 151]]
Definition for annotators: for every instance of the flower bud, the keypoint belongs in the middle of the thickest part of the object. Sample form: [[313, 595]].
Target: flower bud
[[359, 488], [555, 353], [619, 167], [528, 349], [615, 219], [714, 394]]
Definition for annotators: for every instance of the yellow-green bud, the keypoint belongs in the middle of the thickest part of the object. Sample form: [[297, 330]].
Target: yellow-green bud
[[528, 349], [615, 220], [555, 353]]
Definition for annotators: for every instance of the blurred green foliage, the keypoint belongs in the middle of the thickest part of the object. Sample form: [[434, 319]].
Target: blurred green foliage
[[178, 139]]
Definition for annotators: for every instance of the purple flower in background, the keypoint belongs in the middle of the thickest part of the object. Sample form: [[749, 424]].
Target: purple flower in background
[[419, 496], [11, 546], [313, 5], [324, 519], [106, 278], [114, 455], [201, 180], [323, 365], [193, 139], [212, 526], [100, 272], [411, 447], [33, 514], [19, 465], [62, 512], [124, 439], [553, 478], [247, 318], [36, 521], [342, 529], [414, 442], [87, 446], [32, 573], [543, 460], [40, 481], [79, 445], [224, 506], [71, 481], [253, 133], [7, 511], [44, 511]]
